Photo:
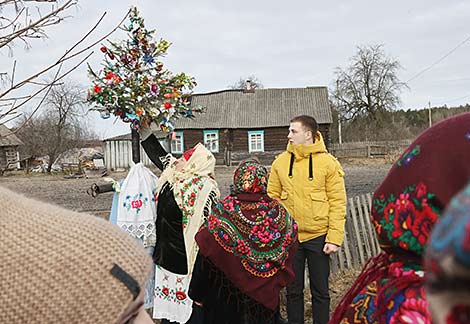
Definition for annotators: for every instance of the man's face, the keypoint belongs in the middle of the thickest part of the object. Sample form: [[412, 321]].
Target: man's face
[[298, 134]]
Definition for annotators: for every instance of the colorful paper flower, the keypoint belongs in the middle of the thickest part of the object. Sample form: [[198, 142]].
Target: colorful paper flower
[[135, 87]]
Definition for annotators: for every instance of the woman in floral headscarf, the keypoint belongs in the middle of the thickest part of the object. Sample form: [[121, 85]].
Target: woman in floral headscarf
[[184, 195], [448, 264], [405, 208], [245, 253]]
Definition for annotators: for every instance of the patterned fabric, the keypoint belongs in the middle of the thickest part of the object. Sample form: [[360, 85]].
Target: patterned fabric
[[250, 176], [137, 209], [171, 296], [405, 220], [405, 208], [261, 240], [194, 190], [448, 263], [408, 156], [250, 237], [406, 306], [136, 215]]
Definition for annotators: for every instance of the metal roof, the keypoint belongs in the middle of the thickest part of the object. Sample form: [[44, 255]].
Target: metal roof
[[259, 109], [7, 138]]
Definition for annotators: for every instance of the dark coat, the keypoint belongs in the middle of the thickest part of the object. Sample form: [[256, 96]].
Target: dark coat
[[170, 251]]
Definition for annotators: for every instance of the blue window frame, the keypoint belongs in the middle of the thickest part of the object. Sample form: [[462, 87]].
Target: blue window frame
[[177, 143], [211, 140], [256, 141]]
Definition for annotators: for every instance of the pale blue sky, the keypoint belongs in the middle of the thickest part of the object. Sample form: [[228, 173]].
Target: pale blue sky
[[284, 44]]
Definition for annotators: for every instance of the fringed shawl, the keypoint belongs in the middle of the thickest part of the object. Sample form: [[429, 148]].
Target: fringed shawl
[[251, 238], [194, 190]]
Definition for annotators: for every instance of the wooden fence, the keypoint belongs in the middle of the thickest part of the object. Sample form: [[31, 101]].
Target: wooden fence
[[368, 149], [360, 241]]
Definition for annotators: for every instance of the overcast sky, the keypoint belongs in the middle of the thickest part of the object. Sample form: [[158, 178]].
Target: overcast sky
[[294, 43]]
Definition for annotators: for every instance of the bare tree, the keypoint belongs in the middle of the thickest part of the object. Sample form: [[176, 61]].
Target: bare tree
[[59, 127], [22, 21], [251, 81], [369, 85]]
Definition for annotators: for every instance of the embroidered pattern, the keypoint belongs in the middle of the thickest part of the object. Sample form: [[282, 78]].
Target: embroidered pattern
[[406, 221], [188, 194], [136, 202], [412, 310], [407, 306], [257, 240], [172, 289], [363, 305], [408, 156]]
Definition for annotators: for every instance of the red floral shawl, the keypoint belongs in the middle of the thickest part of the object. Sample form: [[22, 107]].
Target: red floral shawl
[[251, 238], [405, 208]]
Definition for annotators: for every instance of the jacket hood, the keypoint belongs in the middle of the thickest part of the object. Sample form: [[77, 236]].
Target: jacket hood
[[303, 151]]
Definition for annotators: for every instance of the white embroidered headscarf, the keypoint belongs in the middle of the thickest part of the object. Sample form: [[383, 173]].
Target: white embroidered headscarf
[[194, 190]]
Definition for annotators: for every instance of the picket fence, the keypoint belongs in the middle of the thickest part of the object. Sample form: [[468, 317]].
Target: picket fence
[[360, 241]]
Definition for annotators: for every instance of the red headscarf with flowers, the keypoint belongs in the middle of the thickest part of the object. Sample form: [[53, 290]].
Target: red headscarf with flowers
[[405, 208], [251, 238]]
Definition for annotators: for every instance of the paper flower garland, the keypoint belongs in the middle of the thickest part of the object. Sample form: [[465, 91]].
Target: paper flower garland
[[134, 85]]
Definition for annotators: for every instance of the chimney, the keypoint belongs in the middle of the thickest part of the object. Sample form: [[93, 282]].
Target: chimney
[[248, 87]]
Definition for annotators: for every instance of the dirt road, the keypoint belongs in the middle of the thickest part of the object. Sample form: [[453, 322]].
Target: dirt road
[[71, 193]]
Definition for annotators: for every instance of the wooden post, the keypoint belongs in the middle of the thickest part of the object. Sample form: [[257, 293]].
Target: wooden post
[[357, 232], [135, 146], [365, 234], [376, 242], [370, 231]]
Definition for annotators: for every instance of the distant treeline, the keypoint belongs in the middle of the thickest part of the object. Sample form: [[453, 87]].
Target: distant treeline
[[393, 125]]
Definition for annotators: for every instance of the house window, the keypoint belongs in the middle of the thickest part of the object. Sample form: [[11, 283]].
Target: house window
[[256, 141], [177, 143], [211, 140]]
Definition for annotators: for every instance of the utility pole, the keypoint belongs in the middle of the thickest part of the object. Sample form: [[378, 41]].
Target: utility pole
[[339, 129], [429, 114]]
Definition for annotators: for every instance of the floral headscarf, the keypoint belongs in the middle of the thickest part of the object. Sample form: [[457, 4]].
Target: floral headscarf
[[448, 264], [405, 208], [251, 238], [250, 176]]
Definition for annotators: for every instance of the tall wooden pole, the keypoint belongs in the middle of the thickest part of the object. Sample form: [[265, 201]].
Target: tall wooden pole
[[135, 146], [429, 115]]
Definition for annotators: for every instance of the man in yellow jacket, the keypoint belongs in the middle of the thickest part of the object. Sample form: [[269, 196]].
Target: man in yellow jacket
[[309, 182]]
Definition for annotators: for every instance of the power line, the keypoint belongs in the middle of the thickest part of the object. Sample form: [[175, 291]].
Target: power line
[[453, 100], [439, 60]]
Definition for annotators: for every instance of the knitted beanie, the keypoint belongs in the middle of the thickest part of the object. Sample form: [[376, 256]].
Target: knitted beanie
[[59, 266]]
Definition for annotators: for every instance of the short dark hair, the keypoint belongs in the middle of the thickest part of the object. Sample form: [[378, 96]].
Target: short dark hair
[[307, 121]]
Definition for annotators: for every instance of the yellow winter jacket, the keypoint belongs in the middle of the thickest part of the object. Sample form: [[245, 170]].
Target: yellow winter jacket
[[317, 198]]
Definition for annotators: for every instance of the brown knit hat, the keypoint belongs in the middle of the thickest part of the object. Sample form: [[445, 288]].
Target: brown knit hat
[[55, 265]]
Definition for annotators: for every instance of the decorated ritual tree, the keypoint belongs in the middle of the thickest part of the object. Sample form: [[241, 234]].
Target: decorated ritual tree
[[134, 85]]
